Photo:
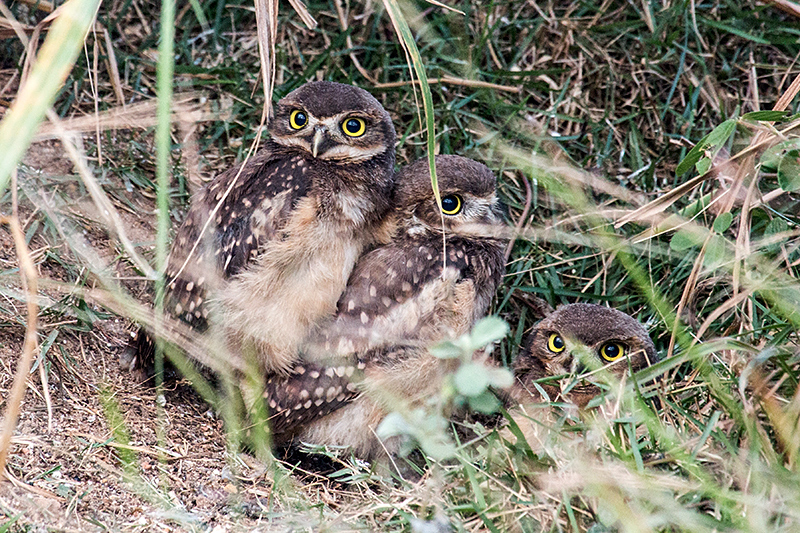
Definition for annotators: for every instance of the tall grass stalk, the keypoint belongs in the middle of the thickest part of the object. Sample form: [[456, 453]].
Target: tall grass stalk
[[164, 75]]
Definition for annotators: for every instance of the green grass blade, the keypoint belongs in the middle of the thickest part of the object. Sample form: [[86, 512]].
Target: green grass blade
[[410, 46]]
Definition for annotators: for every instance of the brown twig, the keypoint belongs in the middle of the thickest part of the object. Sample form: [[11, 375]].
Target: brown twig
[[28, 272], [453, 81]]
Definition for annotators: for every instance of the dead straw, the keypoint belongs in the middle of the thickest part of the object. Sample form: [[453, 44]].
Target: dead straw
[[29, 279]]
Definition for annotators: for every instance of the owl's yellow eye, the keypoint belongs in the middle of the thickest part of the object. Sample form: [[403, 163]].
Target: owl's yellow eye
[[451, 204], [354, 127], [555, 343], [298, 119], [612, 351]]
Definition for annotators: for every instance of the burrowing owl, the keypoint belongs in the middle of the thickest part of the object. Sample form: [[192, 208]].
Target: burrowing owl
[[402, 297], [574, 340], [271, 244]]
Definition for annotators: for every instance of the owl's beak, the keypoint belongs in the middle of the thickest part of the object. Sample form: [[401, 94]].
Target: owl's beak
[[319, 135]]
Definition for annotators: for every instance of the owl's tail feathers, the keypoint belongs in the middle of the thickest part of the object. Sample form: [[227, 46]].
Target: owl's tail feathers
[[310, 392]]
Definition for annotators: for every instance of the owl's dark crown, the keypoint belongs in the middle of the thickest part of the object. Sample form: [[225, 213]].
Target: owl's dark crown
[[328, 98], [467, 189], [592, 323]]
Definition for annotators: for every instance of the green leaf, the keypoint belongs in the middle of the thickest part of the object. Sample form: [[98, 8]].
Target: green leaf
[[712, 141], [690, 160], [773, 155], [502, 378], [393, 424], [766, 116], [471, 379], [430, 431], [446, 350], [715, 253], [486, 403], [723, 222], [775, 226], [45, 347], [703, 165], [789, 171], [720, 134], [64, 490], [683, 239], [488, 330]]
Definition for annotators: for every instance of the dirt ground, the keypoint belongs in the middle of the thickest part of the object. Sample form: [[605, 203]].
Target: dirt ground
[[65, 465]]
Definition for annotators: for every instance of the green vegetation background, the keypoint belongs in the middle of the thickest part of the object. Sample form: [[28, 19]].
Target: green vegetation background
[[586, 112]]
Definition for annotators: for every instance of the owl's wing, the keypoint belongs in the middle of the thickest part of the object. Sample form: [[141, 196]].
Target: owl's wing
[[309, 392], [399, 288], [249, 206], [239, 211], [313, 390]]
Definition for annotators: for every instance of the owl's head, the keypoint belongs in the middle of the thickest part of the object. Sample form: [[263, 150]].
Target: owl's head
[[578, 339], [467, 189], [334, 122]]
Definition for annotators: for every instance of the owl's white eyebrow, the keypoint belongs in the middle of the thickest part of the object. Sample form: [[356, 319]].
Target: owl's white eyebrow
[[334, 120]]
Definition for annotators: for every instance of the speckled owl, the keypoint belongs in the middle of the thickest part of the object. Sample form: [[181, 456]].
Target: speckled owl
[[268, 246], [432, 281]]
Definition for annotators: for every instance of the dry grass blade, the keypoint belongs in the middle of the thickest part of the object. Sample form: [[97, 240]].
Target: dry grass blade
[[10, 28], [688, 291], [721, 310], [41, 5], [267, 25], [305, 16], [111, 62], [104, 206], [28, 272], [453, 81], [188, 107], [445, 6], [522, 217]]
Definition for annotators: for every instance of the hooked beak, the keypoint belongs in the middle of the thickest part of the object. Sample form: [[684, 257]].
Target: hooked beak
[[319, 133]]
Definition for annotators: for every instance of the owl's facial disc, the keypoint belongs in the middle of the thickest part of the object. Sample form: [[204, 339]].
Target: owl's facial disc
[[346, 137]]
